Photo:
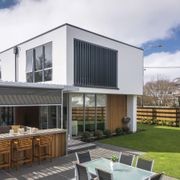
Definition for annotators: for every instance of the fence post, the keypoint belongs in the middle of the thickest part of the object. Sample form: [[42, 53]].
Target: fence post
[[178, 117], [154, 114]]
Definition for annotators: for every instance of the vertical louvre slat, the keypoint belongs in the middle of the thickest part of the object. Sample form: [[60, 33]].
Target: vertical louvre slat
[[80, 65], [78, 62], [94, 66], [75, 63]]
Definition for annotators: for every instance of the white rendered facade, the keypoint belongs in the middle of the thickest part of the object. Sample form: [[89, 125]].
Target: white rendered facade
[[129, 64]]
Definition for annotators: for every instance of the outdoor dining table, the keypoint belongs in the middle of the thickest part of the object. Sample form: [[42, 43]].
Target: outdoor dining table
[[123, 171]]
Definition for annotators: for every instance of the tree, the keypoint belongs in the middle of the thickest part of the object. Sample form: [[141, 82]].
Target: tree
[[159, 92]]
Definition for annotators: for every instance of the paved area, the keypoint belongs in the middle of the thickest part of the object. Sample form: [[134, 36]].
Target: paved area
[[60, 168]]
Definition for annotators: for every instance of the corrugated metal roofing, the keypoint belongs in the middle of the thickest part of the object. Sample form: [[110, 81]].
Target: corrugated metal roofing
[[30, 100], [31, 94]]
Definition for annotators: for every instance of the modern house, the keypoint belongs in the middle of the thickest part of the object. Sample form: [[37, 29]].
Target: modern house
[[71, 78]]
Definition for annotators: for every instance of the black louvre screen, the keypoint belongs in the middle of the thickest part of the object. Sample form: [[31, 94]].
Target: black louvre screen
[[94, 66]]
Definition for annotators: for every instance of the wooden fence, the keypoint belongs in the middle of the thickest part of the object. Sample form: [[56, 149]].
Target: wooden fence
[[157, 115], [89, 112]]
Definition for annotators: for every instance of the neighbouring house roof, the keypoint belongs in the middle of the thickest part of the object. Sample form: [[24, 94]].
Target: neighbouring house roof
[[177, 81], [66, 24], [177, 84]]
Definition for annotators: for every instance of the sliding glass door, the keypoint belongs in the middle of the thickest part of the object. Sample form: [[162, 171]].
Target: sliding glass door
[[88, 112], [100, 111], [77, 114], [49, 117]]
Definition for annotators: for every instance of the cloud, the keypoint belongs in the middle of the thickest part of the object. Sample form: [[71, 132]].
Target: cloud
[[131, 22], [163, 59]]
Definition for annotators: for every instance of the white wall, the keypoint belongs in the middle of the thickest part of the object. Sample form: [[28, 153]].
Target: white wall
[[130, 63], [130, 60], [7, 65], [132, 112], [58, 38]]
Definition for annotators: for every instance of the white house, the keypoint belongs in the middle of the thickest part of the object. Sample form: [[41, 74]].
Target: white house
[[98, 78]]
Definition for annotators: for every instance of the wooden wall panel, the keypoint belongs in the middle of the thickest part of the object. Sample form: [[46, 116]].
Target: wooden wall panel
[[116, 110], [59, 145]]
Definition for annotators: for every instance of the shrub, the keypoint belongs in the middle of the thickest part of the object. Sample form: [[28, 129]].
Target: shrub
[[167, 123], [114, 158], [145, 121], [107, 132], [125, 130], [98, 134], [86, 136], [164, 123], [174, 124], [160, 122], [154, 121], [119, 131], [171, 123]]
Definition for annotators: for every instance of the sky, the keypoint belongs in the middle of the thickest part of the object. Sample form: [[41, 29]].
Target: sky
[[152, 25], [7, 3]]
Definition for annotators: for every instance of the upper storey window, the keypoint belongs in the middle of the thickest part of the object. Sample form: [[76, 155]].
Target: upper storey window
[[39, 63], [94, 65]]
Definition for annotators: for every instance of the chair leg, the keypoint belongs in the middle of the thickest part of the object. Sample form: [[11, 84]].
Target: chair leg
[[9, 160], [16, 160], [39, 154], [31, 154], [51, 153]]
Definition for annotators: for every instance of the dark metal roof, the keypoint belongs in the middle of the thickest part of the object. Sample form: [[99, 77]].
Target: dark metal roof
[[66, 24], [31, 94], [37, 86]]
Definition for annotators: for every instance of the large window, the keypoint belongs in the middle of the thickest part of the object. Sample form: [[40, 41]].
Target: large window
[[77, 114], [50, 117], [94, 66], [88, 113], [100, 111], [39, 63]]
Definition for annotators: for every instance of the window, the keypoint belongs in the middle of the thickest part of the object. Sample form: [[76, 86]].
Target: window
[[94, 66], [88, 113], [39, 63], [6, 116], [77, 114], [0, 68], [101, 111], [49, 117]]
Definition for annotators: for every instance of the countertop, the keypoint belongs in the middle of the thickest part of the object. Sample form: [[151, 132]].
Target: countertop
[[27, 134]]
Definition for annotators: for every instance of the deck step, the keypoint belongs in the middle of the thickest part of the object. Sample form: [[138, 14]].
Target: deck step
[[73, 142], [76, 146]]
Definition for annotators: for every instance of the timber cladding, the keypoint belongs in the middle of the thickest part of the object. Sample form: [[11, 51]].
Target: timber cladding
[[160, 115], [116, 110], [59, 145]]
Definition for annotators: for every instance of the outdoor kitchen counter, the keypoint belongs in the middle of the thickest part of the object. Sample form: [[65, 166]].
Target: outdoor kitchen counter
[[27, 134], [58, 139]]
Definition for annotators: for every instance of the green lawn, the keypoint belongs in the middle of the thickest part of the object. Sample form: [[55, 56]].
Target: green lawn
[[159, 143]]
